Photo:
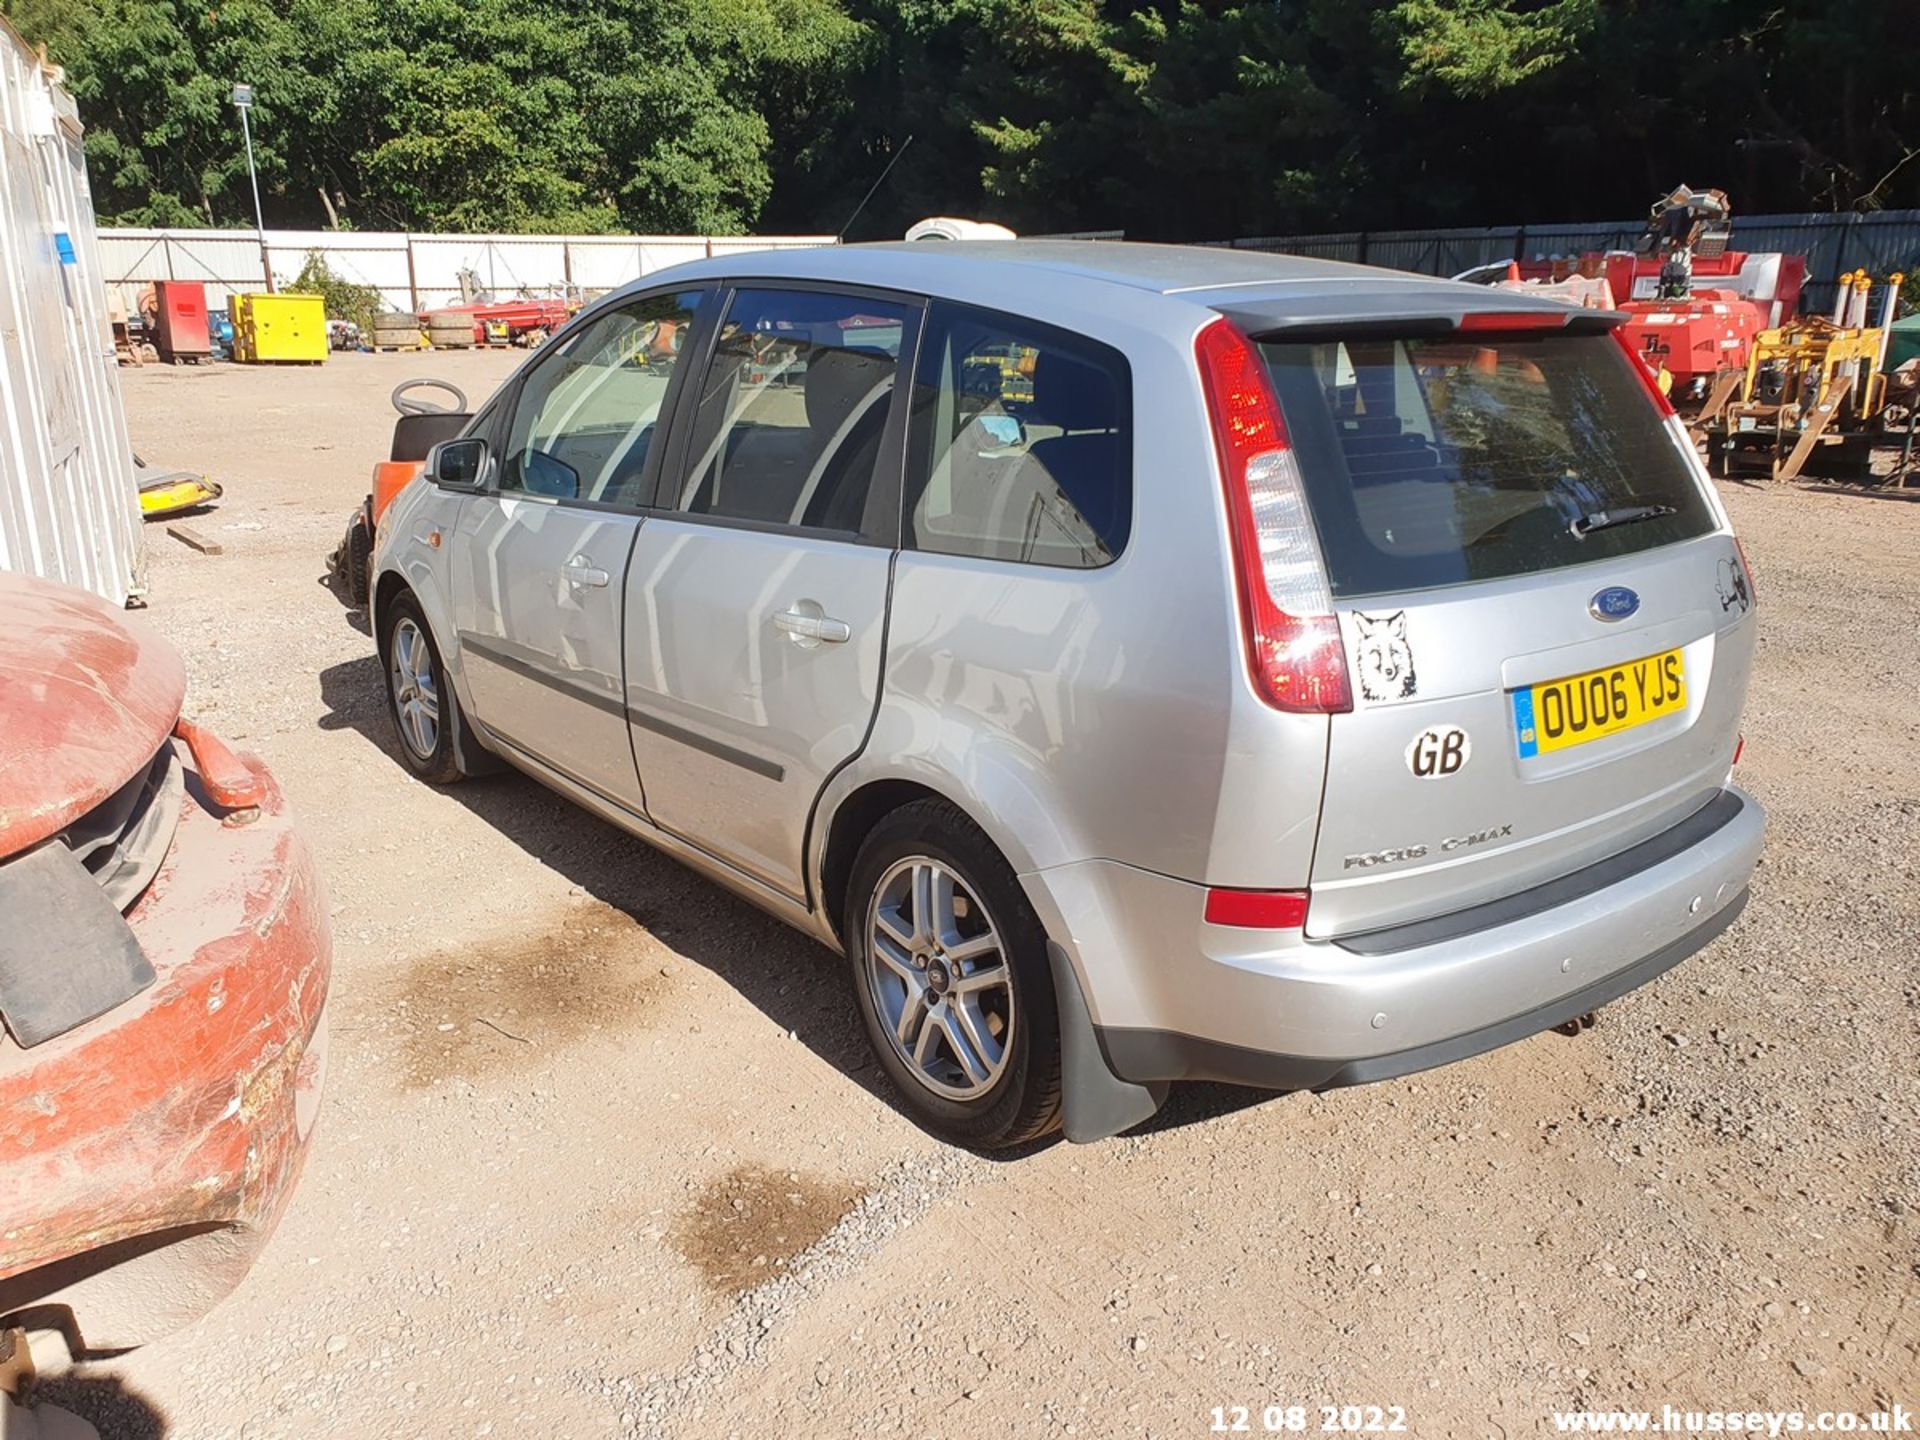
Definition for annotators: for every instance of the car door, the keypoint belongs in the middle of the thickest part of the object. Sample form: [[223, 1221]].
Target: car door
[[539, 557], [757, 596]]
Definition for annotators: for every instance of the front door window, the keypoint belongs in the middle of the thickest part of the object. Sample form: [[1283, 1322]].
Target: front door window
[[589, 411]]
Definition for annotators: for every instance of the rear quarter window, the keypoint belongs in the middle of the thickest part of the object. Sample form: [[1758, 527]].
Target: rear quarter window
[[1020, 442], [1445, 460]]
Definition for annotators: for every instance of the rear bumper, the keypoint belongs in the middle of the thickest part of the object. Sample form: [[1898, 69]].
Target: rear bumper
[[149, 1153], [1173, 998]]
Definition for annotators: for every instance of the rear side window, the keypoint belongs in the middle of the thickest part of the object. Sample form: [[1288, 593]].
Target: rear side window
[[1021, 443], [1439, 461], [793, 408]]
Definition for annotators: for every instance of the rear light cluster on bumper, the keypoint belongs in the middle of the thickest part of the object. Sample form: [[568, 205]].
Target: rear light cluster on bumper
[[1257, 909], [1294, 650]]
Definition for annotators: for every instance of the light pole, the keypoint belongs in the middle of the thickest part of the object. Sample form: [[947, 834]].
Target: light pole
[[243, 102]]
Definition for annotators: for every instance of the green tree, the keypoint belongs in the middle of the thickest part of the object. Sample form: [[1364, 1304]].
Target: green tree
[[153, 80], [521, 115], [1482, 47], [1180, 119]]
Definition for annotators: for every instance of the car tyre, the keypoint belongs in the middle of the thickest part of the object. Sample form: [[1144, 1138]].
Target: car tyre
[[358, 567], [425, 710], [950, 974]]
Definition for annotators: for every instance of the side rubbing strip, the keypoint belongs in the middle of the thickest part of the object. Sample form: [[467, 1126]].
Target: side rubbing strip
[[706, 744], [745, 759], [526, 670]]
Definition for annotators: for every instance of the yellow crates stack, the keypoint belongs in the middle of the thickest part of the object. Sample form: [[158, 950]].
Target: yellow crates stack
[[277, 329]]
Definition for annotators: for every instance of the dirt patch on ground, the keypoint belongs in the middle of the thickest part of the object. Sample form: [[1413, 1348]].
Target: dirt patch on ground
[[496, 1005], [747, 1226]]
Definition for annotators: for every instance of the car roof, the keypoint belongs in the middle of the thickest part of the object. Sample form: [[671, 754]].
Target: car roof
[[1161, 269], [1075, 281]]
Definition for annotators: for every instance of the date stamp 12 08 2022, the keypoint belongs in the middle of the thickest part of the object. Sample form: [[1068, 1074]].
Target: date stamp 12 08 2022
[[1300, 1419]]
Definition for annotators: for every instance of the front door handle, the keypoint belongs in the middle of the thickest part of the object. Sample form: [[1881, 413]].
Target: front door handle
[[580, 571], [808, 631]]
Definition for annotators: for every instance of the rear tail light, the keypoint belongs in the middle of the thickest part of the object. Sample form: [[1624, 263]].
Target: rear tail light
[[1739, 747], [1746, 565], [1257, 909], [1648, 380], [1293, 641]]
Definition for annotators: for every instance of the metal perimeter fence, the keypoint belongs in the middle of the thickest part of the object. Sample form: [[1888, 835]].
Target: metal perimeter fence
[[411, 271], [1880, 243], [421, 271]]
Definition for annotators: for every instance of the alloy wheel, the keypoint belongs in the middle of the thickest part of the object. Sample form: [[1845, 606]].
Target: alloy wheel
[[416, 698], [939, 978]]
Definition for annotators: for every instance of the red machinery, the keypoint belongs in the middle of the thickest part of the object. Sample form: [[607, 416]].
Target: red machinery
[[507, 322], [1693, 305], [178, 321], [1732, 297]]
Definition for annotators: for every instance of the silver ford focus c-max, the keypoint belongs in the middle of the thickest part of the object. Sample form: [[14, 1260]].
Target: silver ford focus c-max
[[1143, 663]]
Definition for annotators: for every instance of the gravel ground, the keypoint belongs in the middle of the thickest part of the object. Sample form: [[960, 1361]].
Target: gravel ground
[[602, 1152]]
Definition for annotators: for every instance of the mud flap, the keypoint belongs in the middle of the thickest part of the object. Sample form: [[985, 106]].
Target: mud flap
[[469, 750], [1095, 1102]]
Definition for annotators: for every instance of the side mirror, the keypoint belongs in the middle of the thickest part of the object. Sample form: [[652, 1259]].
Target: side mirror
[[458, 464], [541, 474]]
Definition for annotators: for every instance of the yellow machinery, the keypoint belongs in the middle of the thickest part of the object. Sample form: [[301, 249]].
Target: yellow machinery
[[184, 492], [169, 492], [279, 329], [1812, 397], [1002, 372]]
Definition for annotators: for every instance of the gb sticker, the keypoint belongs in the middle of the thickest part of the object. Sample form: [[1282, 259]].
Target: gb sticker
[[1439, 751]]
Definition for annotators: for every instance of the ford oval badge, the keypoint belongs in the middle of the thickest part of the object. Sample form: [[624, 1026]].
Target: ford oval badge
[[1616, 602]]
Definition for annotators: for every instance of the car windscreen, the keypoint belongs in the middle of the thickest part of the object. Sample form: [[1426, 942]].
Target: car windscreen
[[1465, 457]]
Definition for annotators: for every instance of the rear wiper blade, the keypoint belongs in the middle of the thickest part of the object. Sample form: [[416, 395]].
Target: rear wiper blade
[[1629, 515]]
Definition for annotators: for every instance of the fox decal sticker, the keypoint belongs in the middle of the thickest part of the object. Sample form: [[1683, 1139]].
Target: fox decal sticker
[[1731, 586], [1383, 657]]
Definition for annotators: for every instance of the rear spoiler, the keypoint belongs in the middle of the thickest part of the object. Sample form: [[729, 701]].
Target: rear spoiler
[[1439, 309]]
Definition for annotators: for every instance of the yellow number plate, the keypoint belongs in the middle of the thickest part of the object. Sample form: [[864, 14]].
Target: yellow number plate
[[1599, 703]]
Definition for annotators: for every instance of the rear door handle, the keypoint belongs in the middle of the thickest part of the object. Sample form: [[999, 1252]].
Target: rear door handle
[[810, 630], [580, 572]]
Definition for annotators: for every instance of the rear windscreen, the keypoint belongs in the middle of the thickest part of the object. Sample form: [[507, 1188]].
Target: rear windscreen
[[1458, 458]]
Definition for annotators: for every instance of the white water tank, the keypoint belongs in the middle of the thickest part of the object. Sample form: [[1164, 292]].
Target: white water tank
[[943, 227]]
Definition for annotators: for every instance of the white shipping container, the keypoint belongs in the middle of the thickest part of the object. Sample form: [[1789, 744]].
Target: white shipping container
[[69, 503]]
